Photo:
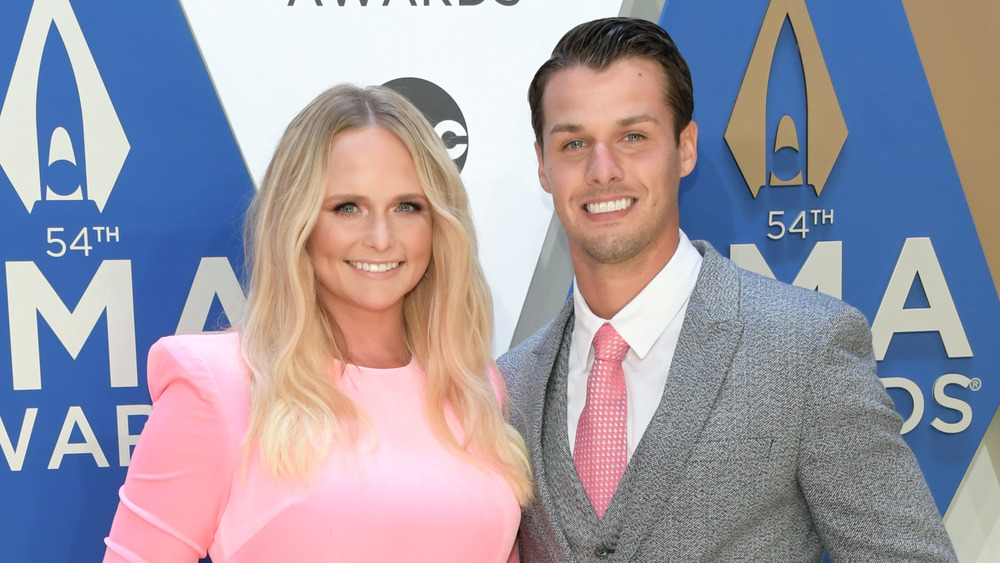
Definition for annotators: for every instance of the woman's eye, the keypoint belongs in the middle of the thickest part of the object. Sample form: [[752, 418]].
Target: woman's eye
[[346, 208], [408, 207]]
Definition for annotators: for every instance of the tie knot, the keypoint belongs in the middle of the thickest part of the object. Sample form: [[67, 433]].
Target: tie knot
[[609, 345]]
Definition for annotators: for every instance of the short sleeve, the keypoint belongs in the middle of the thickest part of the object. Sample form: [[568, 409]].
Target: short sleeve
[[179, 477]]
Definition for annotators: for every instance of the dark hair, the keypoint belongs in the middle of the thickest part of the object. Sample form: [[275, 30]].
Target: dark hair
[[599, 43]]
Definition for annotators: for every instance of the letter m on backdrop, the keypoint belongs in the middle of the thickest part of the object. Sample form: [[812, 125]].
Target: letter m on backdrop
[[29, 295]]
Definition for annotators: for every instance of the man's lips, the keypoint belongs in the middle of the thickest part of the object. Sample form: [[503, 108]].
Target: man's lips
[[609, 206]]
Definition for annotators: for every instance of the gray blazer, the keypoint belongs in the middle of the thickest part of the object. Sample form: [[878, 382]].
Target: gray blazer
[[774, 441]]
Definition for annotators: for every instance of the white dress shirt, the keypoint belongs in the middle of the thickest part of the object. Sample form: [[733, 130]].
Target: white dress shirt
[[650, 324]]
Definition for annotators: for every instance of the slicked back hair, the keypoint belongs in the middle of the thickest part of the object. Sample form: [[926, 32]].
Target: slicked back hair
[[598, 44]]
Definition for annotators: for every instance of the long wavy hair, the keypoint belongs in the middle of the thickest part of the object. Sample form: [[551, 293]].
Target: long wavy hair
[[297, 413]]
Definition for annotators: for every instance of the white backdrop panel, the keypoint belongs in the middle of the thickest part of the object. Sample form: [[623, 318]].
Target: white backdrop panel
[[268, 59]]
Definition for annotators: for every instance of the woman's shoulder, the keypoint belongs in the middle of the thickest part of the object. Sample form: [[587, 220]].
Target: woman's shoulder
[[209, 345], [212, 363]]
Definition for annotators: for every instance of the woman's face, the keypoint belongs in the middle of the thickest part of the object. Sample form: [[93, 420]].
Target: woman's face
[[372, 241]]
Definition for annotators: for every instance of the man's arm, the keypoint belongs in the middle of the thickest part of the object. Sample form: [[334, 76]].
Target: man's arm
[[868, 498]]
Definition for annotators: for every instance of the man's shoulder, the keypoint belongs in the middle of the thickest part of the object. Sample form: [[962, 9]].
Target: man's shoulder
[[764, 304], [528, 347], [792, 305], [765, 294], [524, 361]]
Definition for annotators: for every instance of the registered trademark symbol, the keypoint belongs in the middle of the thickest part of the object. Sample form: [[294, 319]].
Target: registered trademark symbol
[[975, 384]]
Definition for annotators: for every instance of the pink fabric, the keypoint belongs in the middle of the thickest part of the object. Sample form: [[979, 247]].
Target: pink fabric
[[601, 448], [400, 496]]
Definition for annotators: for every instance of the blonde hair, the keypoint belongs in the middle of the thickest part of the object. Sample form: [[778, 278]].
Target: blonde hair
[[297, 413]]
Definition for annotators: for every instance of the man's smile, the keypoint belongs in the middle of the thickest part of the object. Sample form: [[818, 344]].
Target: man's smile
[[609, 206]]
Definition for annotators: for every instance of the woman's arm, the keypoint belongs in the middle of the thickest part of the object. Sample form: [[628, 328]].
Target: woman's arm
[[179, 477]]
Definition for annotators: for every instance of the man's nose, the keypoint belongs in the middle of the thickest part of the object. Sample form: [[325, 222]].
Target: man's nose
[[603, 167]]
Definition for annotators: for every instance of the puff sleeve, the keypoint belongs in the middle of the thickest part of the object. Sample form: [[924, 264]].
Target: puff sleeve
[[179, 478]]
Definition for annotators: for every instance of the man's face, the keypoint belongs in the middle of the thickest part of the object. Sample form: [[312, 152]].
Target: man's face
[[611, 161]]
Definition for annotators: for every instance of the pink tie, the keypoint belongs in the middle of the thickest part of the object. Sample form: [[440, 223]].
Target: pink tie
[[601, 441]]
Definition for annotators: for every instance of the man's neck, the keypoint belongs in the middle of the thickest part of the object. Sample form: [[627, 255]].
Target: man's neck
[[608, 288]]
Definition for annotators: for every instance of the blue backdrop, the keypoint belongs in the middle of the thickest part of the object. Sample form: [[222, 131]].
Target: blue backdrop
[[134, 180]]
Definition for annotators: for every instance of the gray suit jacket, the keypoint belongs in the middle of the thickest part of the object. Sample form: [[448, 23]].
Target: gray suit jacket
[[774, 441]]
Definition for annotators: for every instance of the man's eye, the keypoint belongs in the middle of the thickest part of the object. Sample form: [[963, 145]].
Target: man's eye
[[633, 137], [574, 144]]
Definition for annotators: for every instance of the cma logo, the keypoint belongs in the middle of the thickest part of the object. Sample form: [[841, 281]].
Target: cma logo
[[747, 133], [32, 300], [441, 110], [28, 153]]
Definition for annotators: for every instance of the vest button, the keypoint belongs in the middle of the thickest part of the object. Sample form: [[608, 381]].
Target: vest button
[[602, 552]]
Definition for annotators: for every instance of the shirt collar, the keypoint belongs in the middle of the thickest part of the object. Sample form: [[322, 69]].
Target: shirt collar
[[643, 320]]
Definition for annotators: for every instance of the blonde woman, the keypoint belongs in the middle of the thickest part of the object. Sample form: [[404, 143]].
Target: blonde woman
[[354, 414]]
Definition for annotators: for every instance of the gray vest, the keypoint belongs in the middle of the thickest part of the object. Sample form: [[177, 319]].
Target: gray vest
[[590, 538]]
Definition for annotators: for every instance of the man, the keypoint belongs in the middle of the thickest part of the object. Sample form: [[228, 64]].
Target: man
[[745, 421]]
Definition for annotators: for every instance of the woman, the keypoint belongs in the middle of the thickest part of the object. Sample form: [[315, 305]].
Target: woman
[[353, 416]]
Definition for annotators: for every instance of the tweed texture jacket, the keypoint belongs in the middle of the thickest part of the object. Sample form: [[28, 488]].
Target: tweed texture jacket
[[774, 441]]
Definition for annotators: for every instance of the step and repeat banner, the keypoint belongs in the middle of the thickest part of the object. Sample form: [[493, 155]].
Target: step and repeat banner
[[132, 136]]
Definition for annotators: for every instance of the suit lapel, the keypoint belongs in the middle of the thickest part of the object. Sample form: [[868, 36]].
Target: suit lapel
[[546, 354], [708, 341], [547, 366]]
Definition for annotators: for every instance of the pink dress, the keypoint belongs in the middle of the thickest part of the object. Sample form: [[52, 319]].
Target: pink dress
[[398, 497]]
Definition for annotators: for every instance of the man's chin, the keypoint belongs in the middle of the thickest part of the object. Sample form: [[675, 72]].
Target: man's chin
[[611, 250]]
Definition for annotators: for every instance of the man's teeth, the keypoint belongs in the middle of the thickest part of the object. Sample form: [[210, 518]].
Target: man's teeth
[[609, 206], [384, 267]]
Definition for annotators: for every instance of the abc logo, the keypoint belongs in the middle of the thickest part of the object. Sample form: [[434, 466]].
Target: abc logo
[[441, 110]]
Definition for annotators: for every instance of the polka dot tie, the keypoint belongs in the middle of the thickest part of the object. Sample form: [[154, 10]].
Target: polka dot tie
[[600, 450]]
